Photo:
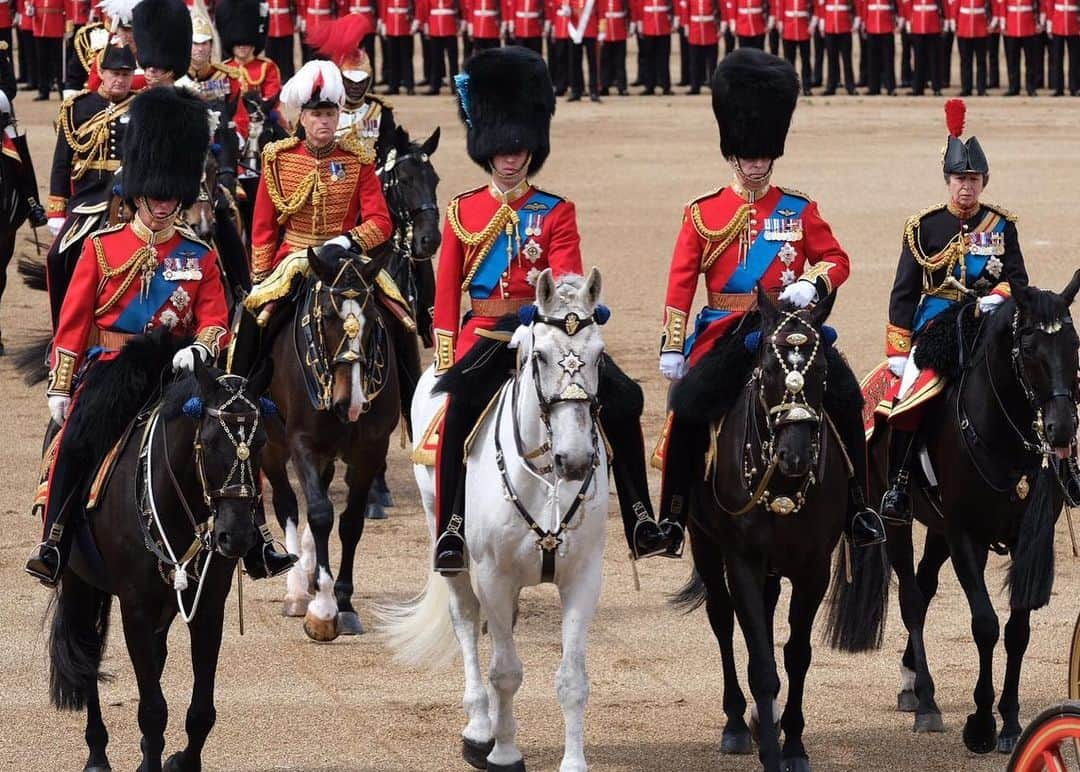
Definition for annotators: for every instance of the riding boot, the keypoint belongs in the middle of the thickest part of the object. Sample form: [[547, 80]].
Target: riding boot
[[865, 527], [896, 503], [49, 558], [407, 360], [263, 560], [683, 465], [27, 182], [450, 495]]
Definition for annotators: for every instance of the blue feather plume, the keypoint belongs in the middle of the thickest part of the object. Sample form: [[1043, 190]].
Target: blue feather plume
[[461, 84]]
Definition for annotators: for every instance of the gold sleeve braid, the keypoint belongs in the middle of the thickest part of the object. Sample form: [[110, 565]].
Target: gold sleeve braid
[[62, 376], [718, 240], [444, 351], [674, 335], [210, 337], [368, 235]]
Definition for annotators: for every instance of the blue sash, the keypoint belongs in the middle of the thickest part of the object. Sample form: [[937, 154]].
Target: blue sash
[[704, 319], [493, 263], [142, 310], [975, 265], [762, 251]]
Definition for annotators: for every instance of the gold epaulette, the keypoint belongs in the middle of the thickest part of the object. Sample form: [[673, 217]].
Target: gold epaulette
[[353, 144], [185, 230], [232, 72], [704, 196], [270, 152], [1001, 211], [796, 193], [916, 218]]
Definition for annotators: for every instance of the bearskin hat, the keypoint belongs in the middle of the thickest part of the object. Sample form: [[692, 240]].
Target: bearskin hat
[[240, 23], [753, 97], [961, 157], [165, 145], [506, 100], [163, 35]]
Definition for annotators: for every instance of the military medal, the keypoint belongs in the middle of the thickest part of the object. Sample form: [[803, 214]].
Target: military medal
[[534, 225], [986, 243], [180, 299], [337, 171], [532, 250], [787, 255], [783, 229]]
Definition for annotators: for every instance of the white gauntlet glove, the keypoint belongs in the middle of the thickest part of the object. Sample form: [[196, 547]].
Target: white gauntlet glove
[[672, 365], [185, 357], [989, 303], [897, 364], [800, 293], [54, 225], [59, 407]]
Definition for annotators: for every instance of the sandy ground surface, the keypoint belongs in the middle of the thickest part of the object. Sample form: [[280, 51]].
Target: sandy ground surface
[[629, 164]]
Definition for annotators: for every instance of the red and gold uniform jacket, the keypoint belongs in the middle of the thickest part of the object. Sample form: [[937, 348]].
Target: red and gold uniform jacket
[[128, 281], [736, 242], [281, 22], [494, 247], [49, 18], [795, 15], [315, 195], [701, 20], [261, 76]]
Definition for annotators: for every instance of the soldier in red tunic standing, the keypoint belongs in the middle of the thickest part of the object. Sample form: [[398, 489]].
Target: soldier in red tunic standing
[[838, 21], [972, 21], [498, 239], [398, 24], [242, 30], [281, 36], [440, 22], [654, 20], [527, 24], [701, 20], [49, 27], [1063, 24], [614, 30], [743, 235], [881, 22], [1019, 21], [795, 19]]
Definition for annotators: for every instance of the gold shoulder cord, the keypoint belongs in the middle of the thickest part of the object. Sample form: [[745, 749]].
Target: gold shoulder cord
[[477, 245], [948, 255], [721, 239], [245, 77], [142, 258], [308, 187]]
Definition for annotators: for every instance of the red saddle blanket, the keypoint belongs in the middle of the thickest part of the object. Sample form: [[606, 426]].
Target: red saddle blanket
[[882, 401]]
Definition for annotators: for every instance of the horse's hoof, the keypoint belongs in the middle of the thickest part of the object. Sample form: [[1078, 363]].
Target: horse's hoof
[[321, 630], [386, 498], [928, 722], [980, 733], [797, 764], [517, 766], [375, 511], [348, 623], [736, 742], [97, 768], [176, 763], [907, 701], [294, 607], [1007, 744], [476, 753]]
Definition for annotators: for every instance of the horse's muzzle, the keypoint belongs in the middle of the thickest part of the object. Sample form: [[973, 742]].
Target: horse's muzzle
[[573, 470]]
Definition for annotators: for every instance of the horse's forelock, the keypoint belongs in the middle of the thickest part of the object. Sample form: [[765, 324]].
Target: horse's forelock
[[568, 293]]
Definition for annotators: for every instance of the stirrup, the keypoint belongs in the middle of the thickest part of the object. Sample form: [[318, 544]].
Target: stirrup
[[449, 554], [867, 529], [896, 503], [37, 566], [678, 540], [649, 531]]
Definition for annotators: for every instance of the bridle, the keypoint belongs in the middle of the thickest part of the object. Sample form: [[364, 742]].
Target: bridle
[[793, 408], [548, 541], [349, 295], [403, 213]]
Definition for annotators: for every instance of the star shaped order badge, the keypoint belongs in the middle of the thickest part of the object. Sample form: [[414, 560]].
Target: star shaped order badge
[[787, 276], [994, 266], [532, 250], [571, 363]]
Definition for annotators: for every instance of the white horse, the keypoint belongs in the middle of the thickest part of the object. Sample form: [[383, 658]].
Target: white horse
[[538, 451]]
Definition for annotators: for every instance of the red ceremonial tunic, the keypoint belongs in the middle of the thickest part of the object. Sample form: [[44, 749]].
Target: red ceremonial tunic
[[746, 16], [972, 18], [315, 12], [614, 19], [396, 16], [26, 15], [439, 18], [836, 15], [49, 18], [1019, 16], [577, 10], [366, 8], [109, 301], [1065, 19], [485, 16], [559, 12], [925, 17], [78, 12], [795, 16], [879, 16], [281, 19], [654, 17], [528, 18], [261, 75], [701, 20], [466, 256], [730, 240], [7, 18], [343, 196]]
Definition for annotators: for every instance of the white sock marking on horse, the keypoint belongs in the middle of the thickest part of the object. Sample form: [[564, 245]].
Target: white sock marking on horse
[[296, 581], [307, 552], [907, 679], [292, 540], [325, 605]]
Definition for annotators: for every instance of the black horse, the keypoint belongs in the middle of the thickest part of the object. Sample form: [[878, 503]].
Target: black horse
[[772, 504], [14, 211], [176, 514], [1002, 429]]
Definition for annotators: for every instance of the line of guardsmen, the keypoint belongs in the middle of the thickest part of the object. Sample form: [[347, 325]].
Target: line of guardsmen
[[586, 41]]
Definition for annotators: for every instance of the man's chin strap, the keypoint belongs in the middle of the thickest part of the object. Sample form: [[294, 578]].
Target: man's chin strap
[[758, 181]]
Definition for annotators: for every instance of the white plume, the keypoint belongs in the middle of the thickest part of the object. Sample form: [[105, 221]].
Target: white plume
[[297, 91], [119, 10]]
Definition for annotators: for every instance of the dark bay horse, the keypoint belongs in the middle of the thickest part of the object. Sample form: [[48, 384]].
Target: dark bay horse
[[1002, 428], [337, 389], [14, 211], [164, 539], [773, 505]]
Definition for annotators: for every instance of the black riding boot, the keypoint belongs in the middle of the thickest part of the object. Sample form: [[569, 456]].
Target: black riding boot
[[450, 482], [621, 404], [49, 558], [263, 560], [896, 503], [683, 466], [28, 183]]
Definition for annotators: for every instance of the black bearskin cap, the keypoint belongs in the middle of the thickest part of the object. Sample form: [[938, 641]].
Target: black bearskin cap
[[506, 100], [162, 31], [961, 157], [753, 97], [239, 23], [165, 145], [114, 57]]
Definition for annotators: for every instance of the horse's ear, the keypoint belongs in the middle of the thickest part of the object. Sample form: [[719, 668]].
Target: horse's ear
[[401, 139], [324, 260], [377, 261], [1069, 293], [590, 293], [431, 144], [766, 307], [545, 291], [259, 382], [205, 379], [820, 312]]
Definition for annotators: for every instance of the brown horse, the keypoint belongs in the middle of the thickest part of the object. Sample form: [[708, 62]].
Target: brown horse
[[337, 388]]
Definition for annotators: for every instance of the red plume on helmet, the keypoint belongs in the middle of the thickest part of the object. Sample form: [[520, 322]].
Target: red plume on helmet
[[955, 112], [339, 39]]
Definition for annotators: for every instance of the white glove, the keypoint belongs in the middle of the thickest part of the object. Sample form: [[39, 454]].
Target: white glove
[[770, 24], [601, 37], [55, 224], [414, 27], [185, 357], [856, 23], [800, 293], [342, 241], [907, 26], [59, 407], [989, 303], [672, 365], [631, 29], [301, 25], [897, 365]]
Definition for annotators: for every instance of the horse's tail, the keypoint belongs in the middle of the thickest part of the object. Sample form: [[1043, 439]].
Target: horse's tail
[[30, 360], [691, 596], [80, 630], [33, 273], [421, 631], [858, 609], [1031, 573]]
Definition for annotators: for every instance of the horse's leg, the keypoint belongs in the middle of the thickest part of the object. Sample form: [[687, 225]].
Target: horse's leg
[[806, 596], [274, 466], [498, 596], [1017, 634], [97, 736], [746, 577], [205, 632], [379, 497], [772, 597], [476, 738], [7, 251], [935, 553], [79, 597], [146, 659], [901, 553], [969, 562], [350, 529], [320, 621], [579, 595]]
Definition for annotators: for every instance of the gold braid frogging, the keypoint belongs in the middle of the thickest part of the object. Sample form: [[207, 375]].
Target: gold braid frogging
[[721, 239]]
